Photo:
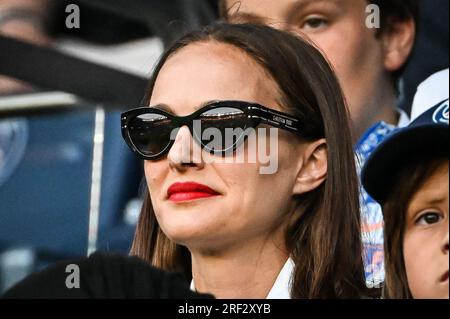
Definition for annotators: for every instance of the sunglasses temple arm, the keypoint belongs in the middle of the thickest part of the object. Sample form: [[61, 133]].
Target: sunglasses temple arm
[[278, 120]]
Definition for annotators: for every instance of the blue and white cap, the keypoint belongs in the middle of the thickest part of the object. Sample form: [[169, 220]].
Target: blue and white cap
[[426, 134]]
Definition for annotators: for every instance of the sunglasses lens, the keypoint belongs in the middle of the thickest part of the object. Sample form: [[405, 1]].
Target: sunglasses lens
[[150, 133], [222, 129]]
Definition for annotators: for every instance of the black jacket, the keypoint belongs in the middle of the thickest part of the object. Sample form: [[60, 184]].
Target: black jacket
[[104, 276]]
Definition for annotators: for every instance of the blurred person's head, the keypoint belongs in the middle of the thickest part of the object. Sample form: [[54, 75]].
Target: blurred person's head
[[368, 61], [409, 175], [24, 20], [309, 207]]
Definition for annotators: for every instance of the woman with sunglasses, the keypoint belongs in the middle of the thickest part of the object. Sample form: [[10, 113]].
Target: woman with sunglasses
[[235, 231]]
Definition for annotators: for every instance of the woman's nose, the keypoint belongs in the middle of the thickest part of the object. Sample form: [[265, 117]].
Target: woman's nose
[[184, 152]]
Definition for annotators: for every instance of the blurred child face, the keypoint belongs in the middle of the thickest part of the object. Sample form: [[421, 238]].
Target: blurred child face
[[338, 28], [425, 244]]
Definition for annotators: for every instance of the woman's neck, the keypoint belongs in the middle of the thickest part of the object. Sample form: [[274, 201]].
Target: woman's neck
[[246, 270]]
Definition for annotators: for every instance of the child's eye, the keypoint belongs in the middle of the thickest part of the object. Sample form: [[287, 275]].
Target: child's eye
[[428, 218], [314, 23]]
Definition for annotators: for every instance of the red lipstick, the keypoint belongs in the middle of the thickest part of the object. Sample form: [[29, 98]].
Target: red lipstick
[[181, 192]]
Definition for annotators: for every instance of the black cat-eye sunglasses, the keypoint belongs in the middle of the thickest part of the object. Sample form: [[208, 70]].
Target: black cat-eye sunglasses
[[150, 131]]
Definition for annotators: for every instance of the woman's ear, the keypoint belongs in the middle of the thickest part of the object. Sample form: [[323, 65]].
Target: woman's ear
[[313, 167], [398, 42]]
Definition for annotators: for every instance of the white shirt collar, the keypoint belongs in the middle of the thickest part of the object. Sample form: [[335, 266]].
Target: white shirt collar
[[281, 289], [282, 286]]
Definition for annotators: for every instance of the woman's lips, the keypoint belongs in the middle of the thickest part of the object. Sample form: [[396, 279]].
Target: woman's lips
[[180, 192]]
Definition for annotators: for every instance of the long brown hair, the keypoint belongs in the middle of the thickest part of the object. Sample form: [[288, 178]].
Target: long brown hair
[[407, 183], [325, 241]]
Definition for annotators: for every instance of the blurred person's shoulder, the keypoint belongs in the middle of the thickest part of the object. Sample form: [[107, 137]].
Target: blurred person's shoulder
[[103, 276]]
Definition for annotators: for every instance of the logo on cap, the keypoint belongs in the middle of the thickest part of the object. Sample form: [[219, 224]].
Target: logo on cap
[[440, 116]]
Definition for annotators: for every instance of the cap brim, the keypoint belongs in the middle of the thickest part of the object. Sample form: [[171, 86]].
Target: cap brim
[[396, 151]]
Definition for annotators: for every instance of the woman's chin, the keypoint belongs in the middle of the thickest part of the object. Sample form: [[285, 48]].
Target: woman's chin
[[185, 231], [194, 221]]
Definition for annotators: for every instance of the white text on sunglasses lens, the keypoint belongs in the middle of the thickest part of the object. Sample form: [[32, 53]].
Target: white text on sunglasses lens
[[230, 145]]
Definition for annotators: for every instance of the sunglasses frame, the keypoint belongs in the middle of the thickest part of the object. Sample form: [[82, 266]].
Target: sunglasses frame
[[256, 113]]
